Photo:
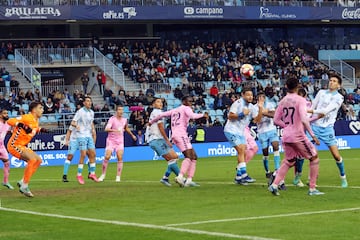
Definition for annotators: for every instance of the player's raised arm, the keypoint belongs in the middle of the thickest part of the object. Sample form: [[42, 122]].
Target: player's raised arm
[[160, 116]]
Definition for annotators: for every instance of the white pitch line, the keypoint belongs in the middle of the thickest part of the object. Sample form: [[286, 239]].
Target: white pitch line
[[141, 225], [265, 217]]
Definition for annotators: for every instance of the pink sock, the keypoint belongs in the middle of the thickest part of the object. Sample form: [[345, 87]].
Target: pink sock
[[192, 168], [119, 168], [185, 165], [6, 171], [249, 154], [104, 166], [281, 172], [314, 171]]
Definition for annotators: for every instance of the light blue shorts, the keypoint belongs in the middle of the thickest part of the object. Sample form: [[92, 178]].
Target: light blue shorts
[[235, 139], [86, 143], [267, 138], [325, 134], [73, 147], [160, 147]]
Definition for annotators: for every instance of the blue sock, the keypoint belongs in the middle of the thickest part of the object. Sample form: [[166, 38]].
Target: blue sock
[[299, 165], [168, 171], [340, 165], [175, 168], [241, 170], [92, 168], [266, 163], [276, 160], [66, 167]]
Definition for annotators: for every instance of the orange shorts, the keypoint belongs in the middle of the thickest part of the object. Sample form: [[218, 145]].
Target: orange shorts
[[16, 151]]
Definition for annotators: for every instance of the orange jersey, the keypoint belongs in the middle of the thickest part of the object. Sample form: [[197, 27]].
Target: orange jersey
[[19, 137]]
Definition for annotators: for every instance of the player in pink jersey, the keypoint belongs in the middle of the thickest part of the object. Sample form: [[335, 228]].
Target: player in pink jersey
[[179, 123], [115, 141], [4, 156], [291, 115]]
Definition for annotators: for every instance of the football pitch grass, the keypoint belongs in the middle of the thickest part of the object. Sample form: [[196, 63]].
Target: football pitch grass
[[140, 207]]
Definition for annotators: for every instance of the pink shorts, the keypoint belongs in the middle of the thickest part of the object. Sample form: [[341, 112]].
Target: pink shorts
[[3, 152], [302, 149], [182, 142], [114, 146], [250, 141]]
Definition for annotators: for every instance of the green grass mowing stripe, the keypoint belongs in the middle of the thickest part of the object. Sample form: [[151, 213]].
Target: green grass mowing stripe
[[141, 225], [204, 182], [266, 217]]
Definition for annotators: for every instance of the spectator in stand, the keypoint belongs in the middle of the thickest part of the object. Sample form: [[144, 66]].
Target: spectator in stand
[[200, 103], [150, 91], [185, 90], [49, 107], [214, 91], [101, 79], [14, 83], [4, 104], [107, 94], [132, 73], [226, 99], [217, 122], [29, 96], [218, 102], [204, 122], [133, 99], [199, 89], [140, 138], [357, 88], [122, 99], [2, 84], [37, 95], [113, 101], [177, 92], [184, 79], [85, 81], [20, 98], [357, 96], [141, 97], [350, 113]]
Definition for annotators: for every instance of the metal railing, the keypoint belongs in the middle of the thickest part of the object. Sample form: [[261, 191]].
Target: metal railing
[[344, 69], [109, 68], [48, 56], [27, 70], [284, 3]]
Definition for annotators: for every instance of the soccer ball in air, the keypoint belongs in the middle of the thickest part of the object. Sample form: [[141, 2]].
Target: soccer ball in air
[[247, 70]]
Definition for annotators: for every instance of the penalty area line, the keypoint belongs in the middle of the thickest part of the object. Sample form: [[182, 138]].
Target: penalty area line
[[265, 217], [140, 225]]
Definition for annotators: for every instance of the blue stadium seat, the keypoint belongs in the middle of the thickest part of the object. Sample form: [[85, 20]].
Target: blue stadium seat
[[43, 119], [219, 112], [52, 119], [58, 56], [11, 57], [177, 103], [109, 56], [25, 106]]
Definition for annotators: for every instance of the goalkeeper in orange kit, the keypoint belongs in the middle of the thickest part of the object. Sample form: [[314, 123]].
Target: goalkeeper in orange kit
[[24, 129]]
